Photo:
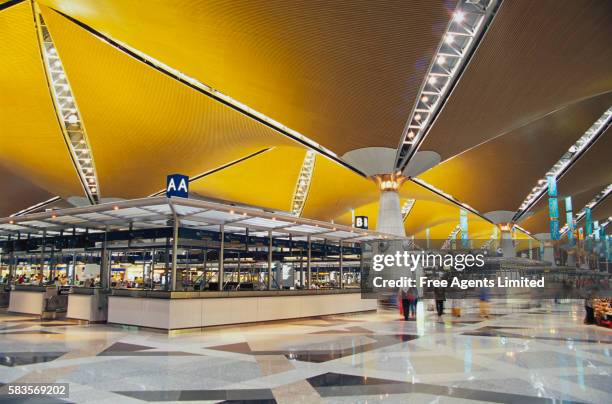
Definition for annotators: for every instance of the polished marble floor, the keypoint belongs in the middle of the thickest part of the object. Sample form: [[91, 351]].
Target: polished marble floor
[[535, 353]]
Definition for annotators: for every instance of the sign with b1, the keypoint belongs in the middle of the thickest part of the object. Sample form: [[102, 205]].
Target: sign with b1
[[361, 222], [177, 185]]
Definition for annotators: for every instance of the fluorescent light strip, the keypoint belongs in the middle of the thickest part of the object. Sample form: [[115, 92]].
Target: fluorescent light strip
[[566, 161], [451, 198], [527, 232], [36, 206], [468, 23], [406, 208], [67, 111], [217, 169], [302, 186], [451, 236], [599, 198]]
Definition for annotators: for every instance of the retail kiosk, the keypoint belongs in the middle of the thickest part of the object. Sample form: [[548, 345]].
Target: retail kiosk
[[175, 263]]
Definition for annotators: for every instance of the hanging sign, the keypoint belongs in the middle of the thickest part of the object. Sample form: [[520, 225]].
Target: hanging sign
[[361, 222], [177, 185]]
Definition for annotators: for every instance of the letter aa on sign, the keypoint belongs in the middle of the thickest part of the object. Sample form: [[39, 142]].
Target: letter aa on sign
[[177, 185]]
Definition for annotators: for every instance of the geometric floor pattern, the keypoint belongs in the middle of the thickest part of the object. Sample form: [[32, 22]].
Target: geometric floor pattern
[[538, 354]]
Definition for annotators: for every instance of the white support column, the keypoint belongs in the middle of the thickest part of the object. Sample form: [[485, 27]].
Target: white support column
[[221, 271], [549, 250], [507, 244], [308, 266], [341, 267], [270, 260], [175, 236], [389, 214]]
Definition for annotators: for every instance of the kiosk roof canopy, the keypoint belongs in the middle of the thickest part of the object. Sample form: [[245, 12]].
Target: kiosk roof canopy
[[161, 211]]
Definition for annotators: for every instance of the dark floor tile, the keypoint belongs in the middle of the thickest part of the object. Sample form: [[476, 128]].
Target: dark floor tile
[[237, 395], [11, 359], [498, 333], [339, 379], [119, 348], [341, 385]]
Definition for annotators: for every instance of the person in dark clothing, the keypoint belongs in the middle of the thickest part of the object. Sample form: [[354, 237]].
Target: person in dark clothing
[[590, 312], [412, 302], [402, 297], [440, 297]]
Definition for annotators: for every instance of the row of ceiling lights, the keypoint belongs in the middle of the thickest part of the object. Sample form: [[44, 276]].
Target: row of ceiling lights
[[600, 197], [303, 183], [566, 160], [465, 25], [68, 113]]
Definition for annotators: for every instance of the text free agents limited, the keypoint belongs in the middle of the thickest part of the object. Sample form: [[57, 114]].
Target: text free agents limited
[[424, 282]]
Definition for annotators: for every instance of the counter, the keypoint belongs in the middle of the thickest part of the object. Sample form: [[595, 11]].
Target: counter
[[185, 310], [37, 300], [89, 304]]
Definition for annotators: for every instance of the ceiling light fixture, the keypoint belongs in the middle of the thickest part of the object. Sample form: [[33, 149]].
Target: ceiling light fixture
[[567, 160], [463, 33], [599, 198], [67, 111], [302, 186]]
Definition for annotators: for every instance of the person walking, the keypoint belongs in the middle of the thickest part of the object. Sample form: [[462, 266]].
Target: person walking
[[412, 302], [403, 302], [484, 302], [440, 296]]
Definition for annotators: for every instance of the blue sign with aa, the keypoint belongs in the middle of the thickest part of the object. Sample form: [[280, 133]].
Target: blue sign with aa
[[177, 185]]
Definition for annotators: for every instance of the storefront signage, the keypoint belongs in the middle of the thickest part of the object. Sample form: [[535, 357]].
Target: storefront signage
[[177, 185], [569, 220], [553, 208]]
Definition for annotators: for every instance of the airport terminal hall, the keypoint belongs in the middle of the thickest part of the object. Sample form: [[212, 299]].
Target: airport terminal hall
[[305, 201]]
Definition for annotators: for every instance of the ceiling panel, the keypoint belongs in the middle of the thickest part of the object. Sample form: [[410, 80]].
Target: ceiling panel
[[335, 190], [344, 73], [142, 124], [32, 146], [536, 57], [18, 193], [267, 180], [499, 174]]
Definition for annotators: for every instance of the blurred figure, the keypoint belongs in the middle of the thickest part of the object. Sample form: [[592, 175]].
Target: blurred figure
[[412, 302], [590, 312], [484, 302], [440, 296], [402, 302]]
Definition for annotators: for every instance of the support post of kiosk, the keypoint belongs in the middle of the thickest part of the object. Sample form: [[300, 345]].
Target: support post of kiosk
[[175, 236], [341, 269], [104, 265], [41, 268], [270, 260], [308, 269], [221, 256]]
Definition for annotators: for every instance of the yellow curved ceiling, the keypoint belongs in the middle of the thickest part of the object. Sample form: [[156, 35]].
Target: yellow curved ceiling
[[22, 193], [266, 180], [32, 146], [307, 64], [335, 190], [142, 124]]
